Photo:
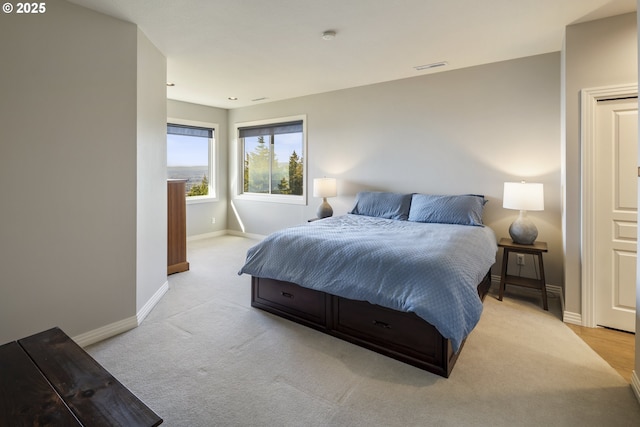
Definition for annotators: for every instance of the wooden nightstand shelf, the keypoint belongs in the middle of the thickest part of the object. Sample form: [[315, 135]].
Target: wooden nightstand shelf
[[536, 249]]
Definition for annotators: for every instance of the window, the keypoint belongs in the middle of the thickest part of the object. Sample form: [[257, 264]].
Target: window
[[190, 156], [273, 160]]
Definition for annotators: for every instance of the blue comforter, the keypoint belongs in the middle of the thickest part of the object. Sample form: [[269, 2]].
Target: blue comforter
[[429, 269]]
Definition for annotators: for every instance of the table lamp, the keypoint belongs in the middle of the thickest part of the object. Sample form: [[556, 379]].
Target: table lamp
[[324, 187], [523, 196]]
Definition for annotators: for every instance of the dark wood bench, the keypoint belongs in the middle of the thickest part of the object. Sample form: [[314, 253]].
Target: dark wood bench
[[48, 380]]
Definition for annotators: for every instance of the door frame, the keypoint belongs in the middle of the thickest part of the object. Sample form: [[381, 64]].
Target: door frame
[[589, 101]]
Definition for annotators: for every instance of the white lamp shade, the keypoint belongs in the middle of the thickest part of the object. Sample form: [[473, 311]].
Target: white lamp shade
[[523, 196], [325, 187]]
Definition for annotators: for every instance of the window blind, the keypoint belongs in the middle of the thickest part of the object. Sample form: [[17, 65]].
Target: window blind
[[270, 129], [189, 131]]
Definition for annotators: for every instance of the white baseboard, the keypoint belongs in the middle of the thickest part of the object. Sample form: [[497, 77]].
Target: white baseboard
[[556, 290], [224, 233], [106, 331], [573, 318], [551, 289], [207, 235], [635, 384], [247, 235], [146, 309], [123, 325]]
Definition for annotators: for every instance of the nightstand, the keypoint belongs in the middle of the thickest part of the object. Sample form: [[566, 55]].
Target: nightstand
[[535, 249]]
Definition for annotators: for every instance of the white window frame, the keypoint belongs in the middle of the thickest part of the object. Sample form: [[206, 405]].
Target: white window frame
[[213, 159], [273, 198]]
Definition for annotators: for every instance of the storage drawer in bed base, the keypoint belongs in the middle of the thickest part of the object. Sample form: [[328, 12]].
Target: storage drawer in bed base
[[402, 336], [293, 302]]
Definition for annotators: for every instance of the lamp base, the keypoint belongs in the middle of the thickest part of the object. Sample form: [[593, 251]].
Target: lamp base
[[324, 210], [523, 231]]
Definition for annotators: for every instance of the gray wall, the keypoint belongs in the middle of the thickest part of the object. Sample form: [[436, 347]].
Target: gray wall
[[68, 168], [463, 131], [151, 212], [597, 53], [199, 214]]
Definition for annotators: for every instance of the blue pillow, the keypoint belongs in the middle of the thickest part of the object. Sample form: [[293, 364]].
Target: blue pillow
[[382, 205], [463, 209]]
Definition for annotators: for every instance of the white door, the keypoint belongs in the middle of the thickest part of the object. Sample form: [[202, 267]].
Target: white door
[[616, 137]]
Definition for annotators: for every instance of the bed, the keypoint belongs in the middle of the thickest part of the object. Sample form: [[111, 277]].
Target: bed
[[400, 274]]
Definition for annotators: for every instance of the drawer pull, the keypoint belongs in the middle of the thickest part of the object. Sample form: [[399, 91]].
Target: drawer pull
[[382, 324], [286, 294]]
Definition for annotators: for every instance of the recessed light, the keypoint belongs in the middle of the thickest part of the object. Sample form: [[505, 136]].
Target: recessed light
[[169, 84], [429, 66], [233, 98], [329, 35]]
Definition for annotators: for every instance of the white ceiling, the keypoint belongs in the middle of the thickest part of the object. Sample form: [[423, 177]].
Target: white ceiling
[[272, 49]]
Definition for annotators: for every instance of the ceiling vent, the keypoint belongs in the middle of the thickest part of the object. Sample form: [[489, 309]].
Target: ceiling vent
[[430, 66]]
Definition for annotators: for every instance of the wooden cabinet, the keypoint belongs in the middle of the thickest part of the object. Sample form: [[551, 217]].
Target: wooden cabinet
[[177, 226]]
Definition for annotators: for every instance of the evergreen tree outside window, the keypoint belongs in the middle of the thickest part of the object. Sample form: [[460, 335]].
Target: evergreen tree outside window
[[273, 160]]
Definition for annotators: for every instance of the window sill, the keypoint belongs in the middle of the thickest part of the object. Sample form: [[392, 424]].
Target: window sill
[[273, 198], [194, 200]]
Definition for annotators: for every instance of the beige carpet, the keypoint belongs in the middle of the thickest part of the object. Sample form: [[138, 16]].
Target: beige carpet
[[204, 357]]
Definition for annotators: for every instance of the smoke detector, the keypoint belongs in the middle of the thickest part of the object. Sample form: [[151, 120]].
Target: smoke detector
[[329, 35]]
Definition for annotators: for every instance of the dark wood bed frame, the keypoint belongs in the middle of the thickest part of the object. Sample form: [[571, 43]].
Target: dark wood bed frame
[[402, 336]]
